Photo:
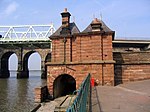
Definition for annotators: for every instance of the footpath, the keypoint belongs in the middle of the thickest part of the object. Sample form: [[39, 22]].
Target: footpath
[[129, 97]]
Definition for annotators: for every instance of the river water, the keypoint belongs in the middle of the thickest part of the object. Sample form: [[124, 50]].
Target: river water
[[17, 95]]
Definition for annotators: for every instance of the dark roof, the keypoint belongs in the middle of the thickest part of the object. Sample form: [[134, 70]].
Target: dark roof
[[131, 43], [74, 29], [104, 27]]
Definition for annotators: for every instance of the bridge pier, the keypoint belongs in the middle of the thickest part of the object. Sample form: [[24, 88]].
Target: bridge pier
[[22, 74], [43, 74], [43, 70], [4, 74]]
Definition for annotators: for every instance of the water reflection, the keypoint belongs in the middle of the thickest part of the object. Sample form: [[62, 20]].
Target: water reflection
[[17, 95]]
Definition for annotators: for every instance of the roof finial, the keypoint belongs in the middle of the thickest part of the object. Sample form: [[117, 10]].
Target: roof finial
[[96, 20], [65, 10]]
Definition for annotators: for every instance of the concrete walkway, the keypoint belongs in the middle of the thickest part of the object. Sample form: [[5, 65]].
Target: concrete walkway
[[52, 106], [130, 97]]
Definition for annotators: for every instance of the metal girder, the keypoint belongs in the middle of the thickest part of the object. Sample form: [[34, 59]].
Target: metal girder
[[26, 32], [30, 44]]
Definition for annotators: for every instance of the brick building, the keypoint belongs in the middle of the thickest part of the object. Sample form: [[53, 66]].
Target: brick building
[[94, 50], [75, 54]]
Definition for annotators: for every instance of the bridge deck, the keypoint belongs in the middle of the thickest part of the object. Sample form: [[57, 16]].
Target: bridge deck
[[25, 44]]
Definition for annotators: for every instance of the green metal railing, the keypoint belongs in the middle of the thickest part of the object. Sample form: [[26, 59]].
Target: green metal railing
[[81, 101]]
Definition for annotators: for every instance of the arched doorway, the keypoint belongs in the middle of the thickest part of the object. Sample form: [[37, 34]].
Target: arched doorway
[[64, 85]]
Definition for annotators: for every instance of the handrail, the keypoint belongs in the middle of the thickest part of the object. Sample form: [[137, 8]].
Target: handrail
[[81, 101]]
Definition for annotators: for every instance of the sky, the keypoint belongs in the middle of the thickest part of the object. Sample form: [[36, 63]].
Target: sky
[[130, 19]]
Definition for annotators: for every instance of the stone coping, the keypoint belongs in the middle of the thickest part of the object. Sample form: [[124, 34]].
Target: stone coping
[[133, 63], [129, 52], [82, 62]]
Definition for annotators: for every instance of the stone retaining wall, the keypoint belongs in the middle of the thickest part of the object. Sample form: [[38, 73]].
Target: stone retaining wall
[[41, 94], [131, 66]]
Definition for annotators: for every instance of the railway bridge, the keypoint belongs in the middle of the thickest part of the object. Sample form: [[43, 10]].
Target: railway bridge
[[24, 40]]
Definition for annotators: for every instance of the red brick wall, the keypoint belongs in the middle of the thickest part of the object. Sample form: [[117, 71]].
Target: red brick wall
[[107, 47], [85, 53], [132, 66], [86, 48], [83, 48], [58, 50], [92, 47], [80, 71]]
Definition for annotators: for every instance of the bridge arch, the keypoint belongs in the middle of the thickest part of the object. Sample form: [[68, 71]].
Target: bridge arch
[[25, 71], [23, 50], [25, 60], [13, 65], [24, 66], [44, 67], [5, 64], [48, 58], [64, 85], [34, 61]]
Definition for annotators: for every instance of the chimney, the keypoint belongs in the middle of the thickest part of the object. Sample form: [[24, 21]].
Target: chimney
[[65, 22], [96, 25]]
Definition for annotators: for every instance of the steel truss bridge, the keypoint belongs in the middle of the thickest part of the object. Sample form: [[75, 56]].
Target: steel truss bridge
[[26, 33], [23, 40]]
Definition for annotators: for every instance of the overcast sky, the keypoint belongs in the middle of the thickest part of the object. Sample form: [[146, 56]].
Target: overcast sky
[[129, 18]]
